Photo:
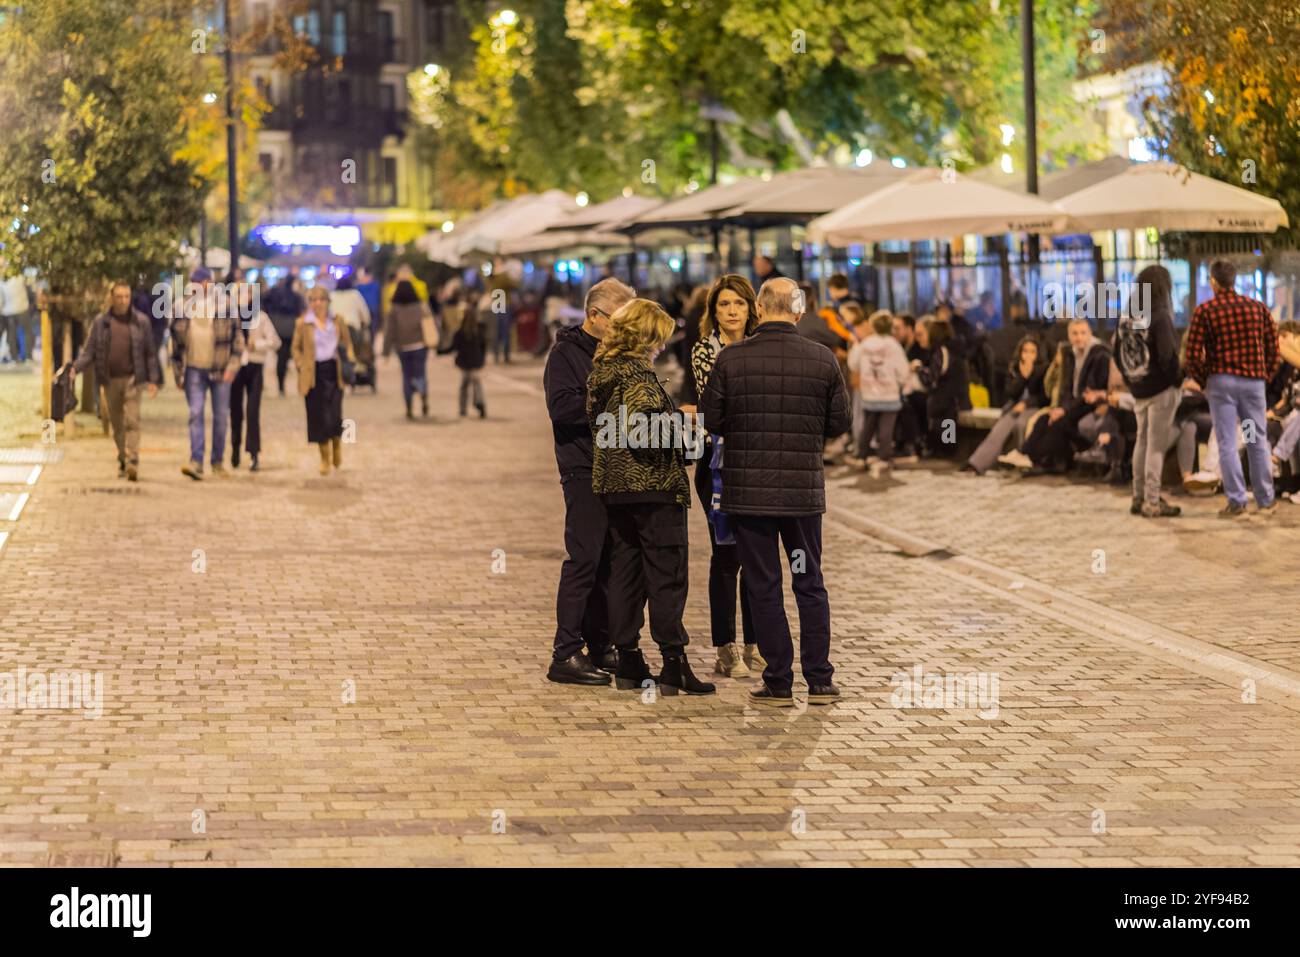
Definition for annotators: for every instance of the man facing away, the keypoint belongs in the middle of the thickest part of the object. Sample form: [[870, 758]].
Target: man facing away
[[1231, 353], [207, 347], [580, 610], [776, 398], [120, 346]]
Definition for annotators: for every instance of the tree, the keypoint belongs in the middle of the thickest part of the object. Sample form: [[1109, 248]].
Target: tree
[[1231, 105], [587, 96], [95, 183]]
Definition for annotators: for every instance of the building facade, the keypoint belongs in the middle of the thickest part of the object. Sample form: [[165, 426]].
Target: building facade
[[334, 145]]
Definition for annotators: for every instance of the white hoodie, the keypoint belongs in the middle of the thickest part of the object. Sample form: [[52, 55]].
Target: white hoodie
[[882, 368]]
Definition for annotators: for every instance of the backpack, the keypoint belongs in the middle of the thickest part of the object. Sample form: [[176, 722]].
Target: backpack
[[1133, 350]]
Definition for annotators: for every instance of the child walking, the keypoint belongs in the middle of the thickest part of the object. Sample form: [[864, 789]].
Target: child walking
[[471, 354]]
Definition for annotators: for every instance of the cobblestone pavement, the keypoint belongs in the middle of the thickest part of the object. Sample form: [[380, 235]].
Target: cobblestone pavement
[[226, 739]]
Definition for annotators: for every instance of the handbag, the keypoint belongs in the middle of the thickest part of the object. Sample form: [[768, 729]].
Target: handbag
[[429, 332], [723, 533]]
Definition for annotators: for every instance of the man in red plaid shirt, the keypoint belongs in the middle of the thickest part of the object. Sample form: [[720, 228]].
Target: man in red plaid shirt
[[1232, 353]]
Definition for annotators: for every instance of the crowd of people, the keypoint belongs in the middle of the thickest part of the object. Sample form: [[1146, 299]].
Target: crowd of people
[[221, 338]]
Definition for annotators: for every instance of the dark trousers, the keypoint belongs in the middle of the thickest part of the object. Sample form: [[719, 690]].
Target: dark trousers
[[648, 562], [1052, 445], [881, 425], [581, 615], [724, 572], [909, 430], [282, 360], [760, 540], [247, 387]]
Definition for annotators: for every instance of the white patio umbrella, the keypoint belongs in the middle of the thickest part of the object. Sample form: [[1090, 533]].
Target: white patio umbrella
[[1166, 196], [933, 203], [513, 220]]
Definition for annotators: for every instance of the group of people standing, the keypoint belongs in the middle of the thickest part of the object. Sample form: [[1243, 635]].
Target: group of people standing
[[769, 400]]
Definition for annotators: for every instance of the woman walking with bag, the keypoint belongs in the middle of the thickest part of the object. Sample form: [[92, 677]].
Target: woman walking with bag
[[409, 331], [729, 315], [646, 494], [320, 347]]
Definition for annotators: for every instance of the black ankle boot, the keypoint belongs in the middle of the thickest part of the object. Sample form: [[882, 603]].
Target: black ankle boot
[[677, 676], [632, 672], [424, 403], [408, 409]]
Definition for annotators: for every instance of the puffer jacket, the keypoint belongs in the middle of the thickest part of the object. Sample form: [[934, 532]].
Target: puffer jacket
[[620, 390], [776, 398]]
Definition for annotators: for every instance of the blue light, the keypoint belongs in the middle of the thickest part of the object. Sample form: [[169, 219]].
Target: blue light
[[855, 262], [561, 266]]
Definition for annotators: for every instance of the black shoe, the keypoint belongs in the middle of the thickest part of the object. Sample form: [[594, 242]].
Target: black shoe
[[234, 459], [424, 405], [121, 468], [823, 694], [462, 413], [1232, 511], [482, 411], [676, 675], [606, 660], [1136, 507], [773, 699], [576, 670], [631, 672], [256, 466]]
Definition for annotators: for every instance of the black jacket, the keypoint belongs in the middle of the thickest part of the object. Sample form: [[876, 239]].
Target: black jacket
[[1095, 375], [1029, 391], [776, 398], [947, 379], [1147, 354], [470, 351], [565, 381]]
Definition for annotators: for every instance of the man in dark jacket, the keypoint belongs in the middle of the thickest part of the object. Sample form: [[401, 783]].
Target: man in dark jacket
[[775, 398], [120, 346], [580, 610], [1085, 374]]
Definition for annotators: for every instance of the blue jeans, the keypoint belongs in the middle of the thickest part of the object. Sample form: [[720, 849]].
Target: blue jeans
[[1236, 400], [414, 380], [197, 384]]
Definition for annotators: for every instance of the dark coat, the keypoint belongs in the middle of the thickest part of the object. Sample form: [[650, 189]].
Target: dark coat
[[1095, 375], [144, 357], [470, 350], [567, 367], [629, 467], [1018, 385], [776, 398]]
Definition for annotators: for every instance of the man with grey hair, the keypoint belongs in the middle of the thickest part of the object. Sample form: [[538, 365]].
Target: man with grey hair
[[775, 398], [581, 616]]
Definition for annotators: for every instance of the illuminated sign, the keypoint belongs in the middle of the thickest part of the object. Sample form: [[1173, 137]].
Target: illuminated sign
[[340, 239]]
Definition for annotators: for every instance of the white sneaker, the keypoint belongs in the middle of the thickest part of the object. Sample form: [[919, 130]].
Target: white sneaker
[[729, 662], [1016, 459], [754, 660]]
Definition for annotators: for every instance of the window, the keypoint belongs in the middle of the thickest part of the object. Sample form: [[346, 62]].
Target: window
[[308, 25], [339, 35], [385, 32], [388, 190], [387, 97], [266, 161]]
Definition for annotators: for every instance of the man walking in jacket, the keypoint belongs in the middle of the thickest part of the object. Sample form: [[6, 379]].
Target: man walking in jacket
[[207, 347], [776, 398], [580, 609], [120, 346], [1231, 354]]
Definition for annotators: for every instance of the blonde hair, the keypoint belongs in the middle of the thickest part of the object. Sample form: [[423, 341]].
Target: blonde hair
[[882, 322], [635, 328]]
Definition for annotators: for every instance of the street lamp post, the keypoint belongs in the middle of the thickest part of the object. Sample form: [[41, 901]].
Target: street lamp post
[[232, 185], [1031, 110]]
